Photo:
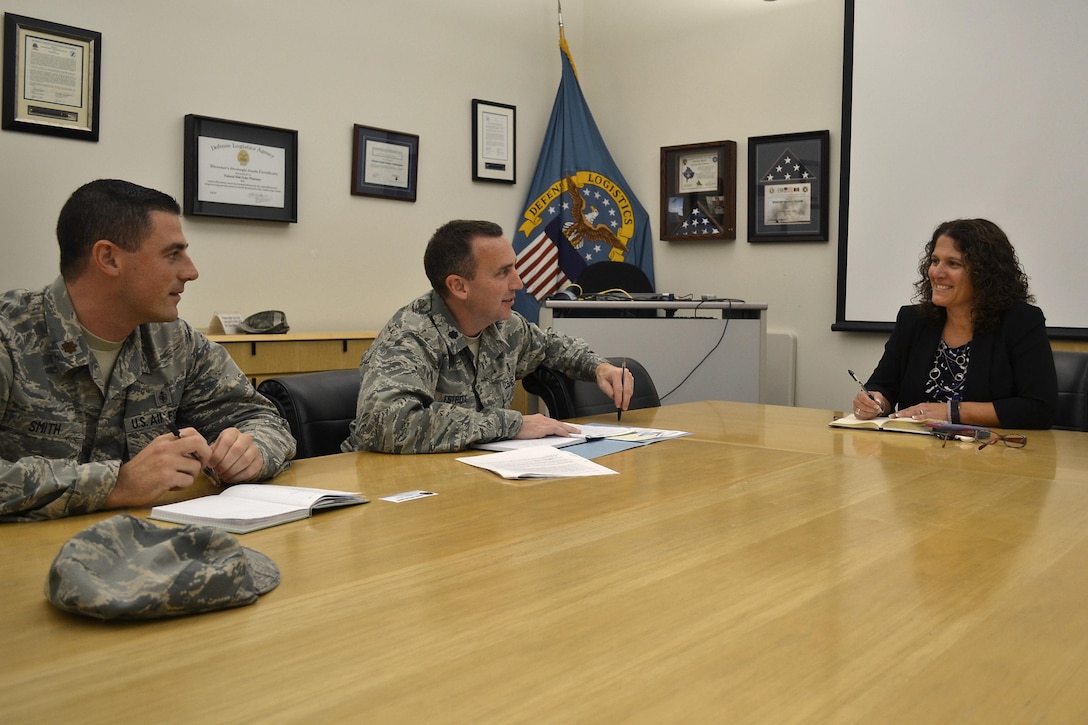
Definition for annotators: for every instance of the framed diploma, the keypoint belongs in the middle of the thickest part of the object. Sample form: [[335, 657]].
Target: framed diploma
[[494, 130], [240, 170], [52, 78], [384, 163], [788, 187], [699, 191]]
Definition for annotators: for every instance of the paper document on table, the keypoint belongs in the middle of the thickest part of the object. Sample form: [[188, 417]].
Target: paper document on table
[[537, 462], [594, 431], [516, 444], [648, 435], [590, 432]]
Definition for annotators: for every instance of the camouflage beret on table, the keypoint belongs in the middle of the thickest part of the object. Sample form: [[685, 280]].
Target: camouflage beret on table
[[127, 568], [269, 322]]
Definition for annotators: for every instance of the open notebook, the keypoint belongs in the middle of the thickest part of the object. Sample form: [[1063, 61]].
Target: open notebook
[[896, 425], [247, 507]]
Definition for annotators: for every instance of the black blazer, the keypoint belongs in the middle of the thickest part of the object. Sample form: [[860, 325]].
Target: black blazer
[[1013, 367]]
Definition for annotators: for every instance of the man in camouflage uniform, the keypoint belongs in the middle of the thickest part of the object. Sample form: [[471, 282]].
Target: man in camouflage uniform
[[440, 376], [96, 368]]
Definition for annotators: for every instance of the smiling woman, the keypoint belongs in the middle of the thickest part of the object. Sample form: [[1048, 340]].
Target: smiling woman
[[966, 255], [902, 168], [949, 279], [972, 349]]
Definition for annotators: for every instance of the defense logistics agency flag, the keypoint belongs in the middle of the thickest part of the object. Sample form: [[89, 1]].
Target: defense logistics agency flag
[[580, 209]]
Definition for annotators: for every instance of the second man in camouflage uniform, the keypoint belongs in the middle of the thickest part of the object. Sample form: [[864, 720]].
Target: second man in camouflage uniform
[[440, 376]]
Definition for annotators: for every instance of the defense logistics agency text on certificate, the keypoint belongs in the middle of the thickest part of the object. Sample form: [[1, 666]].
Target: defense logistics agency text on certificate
[[236, 172]]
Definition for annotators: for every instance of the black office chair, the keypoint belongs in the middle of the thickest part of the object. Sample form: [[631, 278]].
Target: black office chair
[[568, 398], [614, 277], [601, 276], [1072, 367], [318, 407]]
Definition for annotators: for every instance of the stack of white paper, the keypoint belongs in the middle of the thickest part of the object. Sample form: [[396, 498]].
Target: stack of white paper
[[540, 461]]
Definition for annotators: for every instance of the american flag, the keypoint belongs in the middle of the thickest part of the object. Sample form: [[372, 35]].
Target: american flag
[[787, 167], [697, 223], [559, 235], [538, 267]]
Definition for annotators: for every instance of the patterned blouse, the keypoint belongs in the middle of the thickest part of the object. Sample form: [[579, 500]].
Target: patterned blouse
[[949, 372]]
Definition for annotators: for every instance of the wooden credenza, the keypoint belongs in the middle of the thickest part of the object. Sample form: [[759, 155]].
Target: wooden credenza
[[268, 356]]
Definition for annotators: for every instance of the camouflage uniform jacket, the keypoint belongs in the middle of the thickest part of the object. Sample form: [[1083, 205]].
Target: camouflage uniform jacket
[[64, 433], [421, 392]]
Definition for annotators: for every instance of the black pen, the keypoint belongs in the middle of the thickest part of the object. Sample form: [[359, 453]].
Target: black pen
[[866, 390], [207, 469], [623, 377]]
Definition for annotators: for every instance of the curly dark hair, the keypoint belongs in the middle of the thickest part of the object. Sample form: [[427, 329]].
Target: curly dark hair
[[992, 265]]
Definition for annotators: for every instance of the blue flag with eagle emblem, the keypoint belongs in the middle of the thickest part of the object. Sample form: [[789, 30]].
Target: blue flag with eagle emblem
[[580, 209]]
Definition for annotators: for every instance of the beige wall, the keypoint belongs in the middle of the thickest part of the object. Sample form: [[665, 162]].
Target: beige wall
[[655, 74]]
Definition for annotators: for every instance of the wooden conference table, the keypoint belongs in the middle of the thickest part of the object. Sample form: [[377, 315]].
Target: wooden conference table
[[766, 569]]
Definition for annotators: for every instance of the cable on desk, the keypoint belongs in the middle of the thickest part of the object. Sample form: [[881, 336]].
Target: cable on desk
[[717, 344]]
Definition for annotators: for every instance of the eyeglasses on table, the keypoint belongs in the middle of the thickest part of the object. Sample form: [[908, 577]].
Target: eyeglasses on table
[[984, 437]]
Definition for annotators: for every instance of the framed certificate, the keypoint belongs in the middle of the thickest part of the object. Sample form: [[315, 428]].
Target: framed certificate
[[788, 187], [52, 78], [699, 191], [240, 170], [384, 163], [494, 130]]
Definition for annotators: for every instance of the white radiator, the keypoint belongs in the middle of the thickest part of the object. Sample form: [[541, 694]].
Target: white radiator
[[780, 383]]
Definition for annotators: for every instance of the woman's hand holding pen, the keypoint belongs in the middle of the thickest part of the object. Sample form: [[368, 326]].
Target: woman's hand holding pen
[[868, 405]]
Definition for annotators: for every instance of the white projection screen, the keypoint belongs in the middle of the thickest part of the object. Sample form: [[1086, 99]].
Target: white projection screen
[[963, 108]]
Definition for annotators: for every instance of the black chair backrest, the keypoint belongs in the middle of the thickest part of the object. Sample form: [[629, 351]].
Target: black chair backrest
[[568, 398], [318, 407], [602, 276], [1072, 368], [619, 277]]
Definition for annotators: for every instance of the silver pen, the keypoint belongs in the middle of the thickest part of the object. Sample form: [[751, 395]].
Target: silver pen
[[208, 470], [866, 390]]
